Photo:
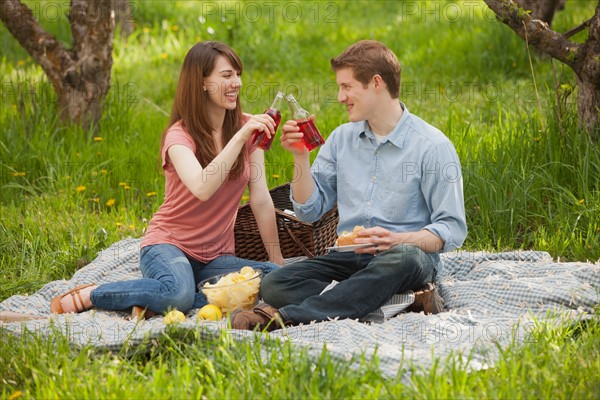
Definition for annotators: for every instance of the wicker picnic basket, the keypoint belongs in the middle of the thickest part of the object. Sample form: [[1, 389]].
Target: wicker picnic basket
[[296, 238]]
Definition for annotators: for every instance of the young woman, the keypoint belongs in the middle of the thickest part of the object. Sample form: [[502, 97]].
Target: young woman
[[207, 158]]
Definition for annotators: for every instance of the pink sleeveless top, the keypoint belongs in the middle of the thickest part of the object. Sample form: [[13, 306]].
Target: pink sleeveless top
[[201, 229]]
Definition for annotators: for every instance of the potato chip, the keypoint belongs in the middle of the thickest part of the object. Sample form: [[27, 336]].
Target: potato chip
[[234, 290]]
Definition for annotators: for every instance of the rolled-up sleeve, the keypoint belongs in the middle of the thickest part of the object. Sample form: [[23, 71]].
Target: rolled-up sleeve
[[443, 192]]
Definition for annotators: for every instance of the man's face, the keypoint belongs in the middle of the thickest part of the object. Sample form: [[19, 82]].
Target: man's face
[[359, 100]]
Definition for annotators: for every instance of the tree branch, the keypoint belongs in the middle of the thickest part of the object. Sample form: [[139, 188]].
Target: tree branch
[[536, 32], [577, 29]]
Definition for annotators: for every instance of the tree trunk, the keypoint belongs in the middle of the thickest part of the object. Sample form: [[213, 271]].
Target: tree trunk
[[588, 77], [542, 9], [588, 104], [124, 17], [583, 58], [81, 75]]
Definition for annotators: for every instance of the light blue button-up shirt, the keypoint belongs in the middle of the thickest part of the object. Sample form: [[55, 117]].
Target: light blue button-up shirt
[[410, 181]]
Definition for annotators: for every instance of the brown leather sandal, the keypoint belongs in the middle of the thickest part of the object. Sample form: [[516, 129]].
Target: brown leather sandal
[[56, 307], [139, 312]]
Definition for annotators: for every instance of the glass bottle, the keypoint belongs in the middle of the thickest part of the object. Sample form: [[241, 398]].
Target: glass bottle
[[312, 137], [260, 138]]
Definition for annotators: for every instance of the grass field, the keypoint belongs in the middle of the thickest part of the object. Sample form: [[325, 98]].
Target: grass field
[[532, 181]]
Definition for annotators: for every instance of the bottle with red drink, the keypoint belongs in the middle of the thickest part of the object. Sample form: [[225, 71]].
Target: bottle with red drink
[[312, 137], [260, 138]]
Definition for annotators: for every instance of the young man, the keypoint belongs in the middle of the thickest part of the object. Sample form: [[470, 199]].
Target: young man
[[387, 170]]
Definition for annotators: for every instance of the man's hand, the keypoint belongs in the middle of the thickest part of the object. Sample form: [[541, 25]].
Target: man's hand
[[379, 238], [291, 138], [382, 239]]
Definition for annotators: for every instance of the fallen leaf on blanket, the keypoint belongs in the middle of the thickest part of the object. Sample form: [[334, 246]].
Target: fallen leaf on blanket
[[174, 317], [210, 312]]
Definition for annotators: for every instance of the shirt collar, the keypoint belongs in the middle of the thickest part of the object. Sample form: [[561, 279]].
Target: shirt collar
[[397, 135]]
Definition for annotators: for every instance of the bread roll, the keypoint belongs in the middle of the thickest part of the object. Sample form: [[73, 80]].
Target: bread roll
[[347, 238]]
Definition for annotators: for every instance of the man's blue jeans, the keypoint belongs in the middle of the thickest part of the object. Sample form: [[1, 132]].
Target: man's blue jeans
[[170, 279], [366, 282]]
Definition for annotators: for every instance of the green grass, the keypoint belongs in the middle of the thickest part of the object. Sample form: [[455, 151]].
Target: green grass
[[532, 180], [560, 360]]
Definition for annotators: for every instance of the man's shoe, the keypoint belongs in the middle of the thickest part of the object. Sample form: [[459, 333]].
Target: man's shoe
[[262, 317], [428, 300]]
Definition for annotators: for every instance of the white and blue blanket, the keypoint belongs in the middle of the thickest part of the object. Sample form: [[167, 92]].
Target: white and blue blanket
[[490, 299]]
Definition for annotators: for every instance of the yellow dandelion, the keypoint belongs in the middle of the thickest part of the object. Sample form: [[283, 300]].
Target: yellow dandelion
[[98, 139], [580, 202], [275, 176], [150, 194], [126, 187], [104, 171], [146, 29], [14, 106], [122, 184], [95, 200], [80, 188], [16, 173], [163, 56], [111, 202], [132, 227], [20, 63], [174, 28], [537, 139], [15, 395], [119, 224]]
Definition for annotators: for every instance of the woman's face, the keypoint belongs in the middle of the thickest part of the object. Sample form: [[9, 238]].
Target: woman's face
[[223, 84]]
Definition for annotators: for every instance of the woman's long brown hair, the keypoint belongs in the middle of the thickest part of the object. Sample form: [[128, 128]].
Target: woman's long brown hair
[[189, 105]]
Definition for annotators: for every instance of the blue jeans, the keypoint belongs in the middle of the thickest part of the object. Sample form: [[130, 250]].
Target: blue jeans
[[366, 282], [169, 280]]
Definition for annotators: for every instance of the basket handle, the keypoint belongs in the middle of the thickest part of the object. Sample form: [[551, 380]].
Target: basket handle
[[283, 216]]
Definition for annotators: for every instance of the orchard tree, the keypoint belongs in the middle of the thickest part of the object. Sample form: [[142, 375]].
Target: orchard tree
[[80, 75], [583, 58], [542, 9]]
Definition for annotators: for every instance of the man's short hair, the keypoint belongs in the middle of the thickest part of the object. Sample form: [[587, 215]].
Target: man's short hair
[[368, 58]]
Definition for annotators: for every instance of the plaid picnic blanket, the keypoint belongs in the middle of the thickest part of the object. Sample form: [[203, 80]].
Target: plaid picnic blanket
[[491, 298]]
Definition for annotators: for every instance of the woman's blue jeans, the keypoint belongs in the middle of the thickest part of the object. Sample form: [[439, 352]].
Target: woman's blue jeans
[[366, 282], [169, 280]]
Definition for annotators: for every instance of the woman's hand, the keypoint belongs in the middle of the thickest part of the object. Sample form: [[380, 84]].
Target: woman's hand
[[259, 122], [278, 259]]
